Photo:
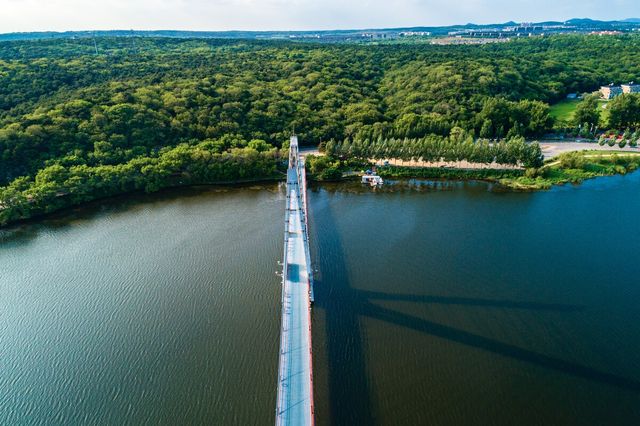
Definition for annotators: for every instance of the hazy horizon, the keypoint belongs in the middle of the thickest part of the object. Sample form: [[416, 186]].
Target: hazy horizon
[[291, 15]]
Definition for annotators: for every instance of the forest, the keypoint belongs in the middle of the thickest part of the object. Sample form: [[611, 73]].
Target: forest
[[80, 121]]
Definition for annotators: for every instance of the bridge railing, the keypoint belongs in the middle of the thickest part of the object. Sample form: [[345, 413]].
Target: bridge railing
[[296, 187]]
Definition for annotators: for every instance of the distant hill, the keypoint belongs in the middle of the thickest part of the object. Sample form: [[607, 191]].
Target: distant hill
[[576, 24], [582, 21]]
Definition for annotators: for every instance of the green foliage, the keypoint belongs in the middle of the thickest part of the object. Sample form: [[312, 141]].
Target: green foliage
[[576, 167], [572, 160], [624, 111], [563, 111], [75, 125], [532, 172], [457, 147], [586, 112], [57, 186], [59, 102], [323, 167], [444, 173]]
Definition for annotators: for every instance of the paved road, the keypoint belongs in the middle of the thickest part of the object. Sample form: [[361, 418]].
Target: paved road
[[308, 150], [553, 149]]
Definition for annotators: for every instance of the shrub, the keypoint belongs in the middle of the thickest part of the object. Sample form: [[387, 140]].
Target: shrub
[[616, 159], [620, 170], [331, 173], [532, 172], [572, 160]]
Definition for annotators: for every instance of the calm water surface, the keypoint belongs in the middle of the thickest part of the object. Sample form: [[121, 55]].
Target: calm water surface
[[436, 304]]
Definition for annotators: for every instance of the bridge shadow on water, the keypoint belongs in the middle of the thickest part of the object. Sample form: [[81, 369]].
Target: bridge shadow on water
[[349, 397], [349, 389]]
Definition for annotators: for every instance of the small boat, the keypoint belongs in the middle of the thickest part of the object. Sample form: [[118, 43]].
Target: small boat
[[372, 180]]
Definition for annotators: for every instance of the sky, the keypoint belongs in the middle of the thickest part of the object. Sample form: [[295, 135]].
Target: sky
[[218, 15]]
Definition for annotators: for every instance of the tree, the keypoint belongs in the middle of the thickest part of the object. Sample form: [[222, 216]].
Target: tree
[[486, 131], [587, 112], [215, 110], [624, 111]]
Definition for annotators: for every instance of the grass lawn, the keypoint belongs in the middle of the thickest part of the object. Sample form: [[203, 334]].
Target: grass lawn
[[607, 153], [563, 110]]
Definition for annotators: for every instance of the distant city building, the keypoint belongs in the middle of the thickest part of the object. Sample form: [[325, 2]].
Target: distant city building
[[610, 91], [631, 88], [415, 33], [606, 33], [375, 36]]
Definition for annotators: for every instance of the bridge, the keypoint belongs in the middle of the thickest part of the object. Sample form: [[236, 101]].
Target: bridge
[[295, 374]]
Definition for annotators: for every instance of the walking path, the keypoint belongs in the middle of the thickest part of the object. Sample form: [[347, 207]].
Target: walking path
[[553, 149]]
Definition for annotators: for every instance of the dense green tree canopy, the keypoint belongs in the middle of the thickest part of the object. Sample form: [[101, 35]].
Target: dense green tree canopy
[[72, 122], [587, 112], [624, 111]]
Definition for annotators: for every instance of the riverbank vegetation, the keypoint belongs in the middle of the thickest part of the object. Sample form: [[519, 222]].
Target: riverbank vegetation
[[498, 160], [575, 167], [506, 158], [459, 146], [70, 117], [491, 175], [58, 186], [570, 167]]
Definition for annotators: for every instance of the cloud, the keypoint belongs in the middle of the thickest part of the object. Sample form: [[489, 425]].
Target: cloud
[[32, 15]]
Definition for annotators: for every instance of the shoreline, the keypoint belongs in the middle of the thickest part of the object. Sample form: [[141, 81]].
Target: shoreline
[[245, 183], [509, 179]]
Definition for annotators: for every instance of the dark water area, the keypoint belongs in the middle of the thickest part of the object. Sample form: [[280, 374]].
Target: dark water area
[[436, 303], [155, 311]]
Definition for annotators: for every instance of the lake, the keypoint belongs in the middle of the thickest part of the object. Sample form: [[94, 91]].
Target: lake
[[436, 303]]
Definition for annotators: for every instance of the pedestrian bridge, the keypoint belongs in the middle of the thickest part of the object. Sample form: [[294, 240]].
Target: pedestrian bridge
[[295, 374]]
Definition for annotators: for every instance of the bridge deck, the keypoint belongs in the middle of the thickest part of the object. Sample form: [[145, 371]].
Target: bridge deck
[[295, 382]]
